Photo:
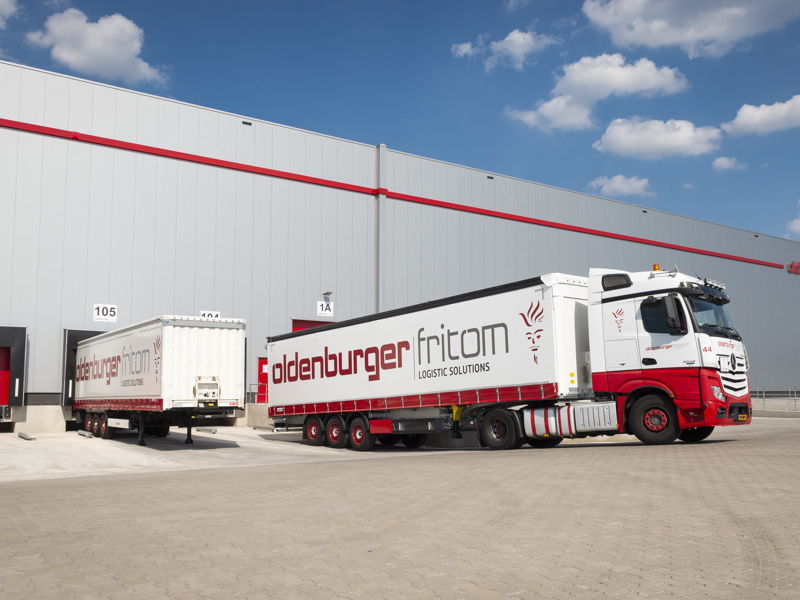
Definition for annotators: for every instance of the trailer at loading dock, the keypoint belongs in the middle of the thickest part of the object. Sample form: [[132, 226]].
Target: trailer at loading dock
[[158, 373]]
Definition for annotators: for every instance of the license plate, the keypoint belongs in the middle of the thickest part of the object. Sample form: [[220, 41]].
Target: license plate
[[743, 417]]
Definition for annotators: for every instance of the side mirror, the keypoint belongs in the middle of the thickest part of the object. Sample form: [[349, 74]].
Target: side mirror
[[672, 316]]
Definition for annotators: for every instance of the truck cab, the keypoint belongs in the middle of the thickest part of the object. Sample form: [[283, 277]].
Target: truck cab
[[663, 345]]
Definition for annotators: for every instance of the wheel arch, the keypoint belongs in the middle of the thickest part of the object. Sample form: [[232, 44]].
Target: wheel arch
[[636, 395]]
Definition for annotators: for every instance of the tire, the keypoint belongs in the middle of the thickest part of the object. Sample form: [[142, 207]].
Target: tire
[[414, 440], [161, 431], [653, 420], [87, 422], [314, 432], [499, 429], [360, 437], [106, 432], [697, 434], [548, 442], [335, 432], [388, 439], [95, 425]]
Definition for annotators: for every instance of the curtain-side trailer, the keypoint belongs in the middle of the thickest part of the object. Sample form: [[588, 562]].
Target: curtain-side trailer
[[158, 373], [651, 353]]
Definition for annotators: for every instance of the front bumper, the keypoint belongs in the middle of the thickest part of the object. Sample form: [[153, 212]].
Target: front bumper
[[730, 410]]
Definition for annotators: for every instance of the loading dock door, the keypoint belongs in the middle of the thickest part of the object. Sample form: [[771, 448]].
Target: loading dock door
[[12, 365], [71, 339]]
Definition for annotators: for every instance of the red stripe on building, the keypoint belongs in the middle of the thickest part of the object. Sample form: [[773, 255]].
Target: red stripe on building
[[224, 164]]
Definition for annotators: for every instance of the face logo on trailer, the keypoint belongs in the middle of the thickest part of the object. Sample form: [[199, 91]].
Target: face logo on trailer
[[157, 350], [619, 317], [533, 318]]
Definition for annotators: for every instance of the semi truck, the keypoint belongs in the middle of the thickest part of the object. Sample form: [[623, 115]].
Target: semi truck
[[651, 353], [158, 373]]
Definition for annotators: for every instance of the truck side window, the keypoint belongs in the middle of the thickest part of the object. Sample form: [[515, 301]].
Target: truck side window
[[653, 317]]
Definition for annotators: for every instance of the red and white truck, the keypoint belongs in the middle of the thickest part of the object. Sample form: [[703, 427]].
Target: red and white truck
[[558, 356], [158, 373]]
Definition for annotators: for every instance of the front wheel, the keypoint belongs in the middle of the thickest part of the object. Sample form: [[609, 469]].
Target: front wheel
[[499, 430], [697, 434], [653, 420]]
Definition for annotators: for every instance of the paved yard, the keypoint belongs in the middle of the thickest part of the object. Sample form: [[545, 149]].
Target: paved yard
[[252, 515]]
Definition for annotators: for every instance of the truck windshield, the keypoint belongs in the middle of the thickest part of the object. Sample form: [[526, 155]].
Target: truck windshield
[[712, 318]]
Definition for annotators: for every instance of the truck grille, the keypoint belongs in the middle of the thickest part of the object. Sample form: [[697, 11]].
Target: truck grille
[[734, 384]]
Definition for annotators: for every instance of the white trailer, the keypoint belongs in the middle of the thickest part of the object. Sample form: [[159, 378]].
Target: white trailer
[[650, 353], [158, 373]]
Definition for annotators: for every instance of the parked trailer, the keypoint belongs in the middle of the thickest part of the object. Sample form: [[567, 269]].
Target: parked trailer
[[159, 373], [557, 356]]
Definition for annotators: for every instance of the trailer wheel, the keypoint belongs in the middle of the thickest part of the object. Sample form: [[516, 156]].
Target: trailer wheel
[[360, 437], [697, 434], [87, 422], [414, 440], [388, 439], [335, 432], [95, 425], [548, 442], [106, 432], [161, 431], [315, 434], [653, 420], [499, 430]]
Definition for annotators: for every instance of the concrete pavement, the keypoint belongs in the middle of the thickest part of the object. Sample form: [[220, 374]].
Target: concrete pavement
[[246, 514]]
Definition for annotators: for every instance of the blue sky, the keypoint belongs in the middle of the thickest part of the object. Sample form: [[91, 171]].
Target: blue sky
[[684, 106]]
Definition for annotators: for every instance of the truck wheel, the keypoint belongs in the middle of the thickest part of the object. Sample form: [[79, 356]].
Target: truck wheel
[[335, 433], [414, 440], [87, 422], [315, 434], [388, 439], [360, 437], [548, 442], [499, 430], [653, 420], [106, 432], [698, 434]]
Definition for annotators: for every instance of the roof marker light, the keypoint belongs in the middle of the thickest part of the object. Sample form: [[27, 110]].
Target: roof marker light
[[656, 267]]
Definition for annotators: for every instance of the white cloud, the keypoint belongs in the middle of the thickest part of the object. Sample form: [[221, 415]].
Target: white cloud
[[592, 79], [109, 48], [637, 138], [725, 163], [7, 10], [513, 5], [794, 226], [465, 49], [688, 186], [512, 51], [562, 112], [619, 185], [701, 28], [765, 118]]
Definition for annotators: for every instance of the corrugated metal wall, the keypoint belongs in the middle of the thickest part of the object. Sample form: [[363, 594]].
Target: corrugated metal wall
[[85, 223]]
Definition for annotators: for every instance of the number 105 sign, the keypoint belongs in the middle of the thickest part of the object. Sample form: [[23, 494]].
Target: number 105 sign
[[105, 312]]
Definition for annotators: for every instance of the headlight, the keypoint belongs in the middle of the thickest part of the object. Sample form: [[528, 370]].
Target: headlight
[[717, 392]]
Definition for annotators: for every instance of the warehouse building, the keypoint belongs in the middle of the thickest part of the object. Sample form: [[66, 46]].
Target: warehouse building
[[114, 201]]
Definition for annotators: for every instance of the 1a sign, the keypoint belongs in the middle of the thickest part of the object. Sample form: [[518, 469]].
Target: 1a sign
[[325, 308]]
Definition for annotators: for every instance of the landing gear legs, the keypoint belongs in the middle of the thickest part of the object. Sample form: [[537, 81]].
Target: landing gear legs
[[141, 431], [188, 439]]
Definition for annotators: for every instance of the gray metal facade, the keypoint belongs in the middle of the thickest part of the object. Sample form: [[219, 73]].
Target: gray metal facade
[[112, 196]]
